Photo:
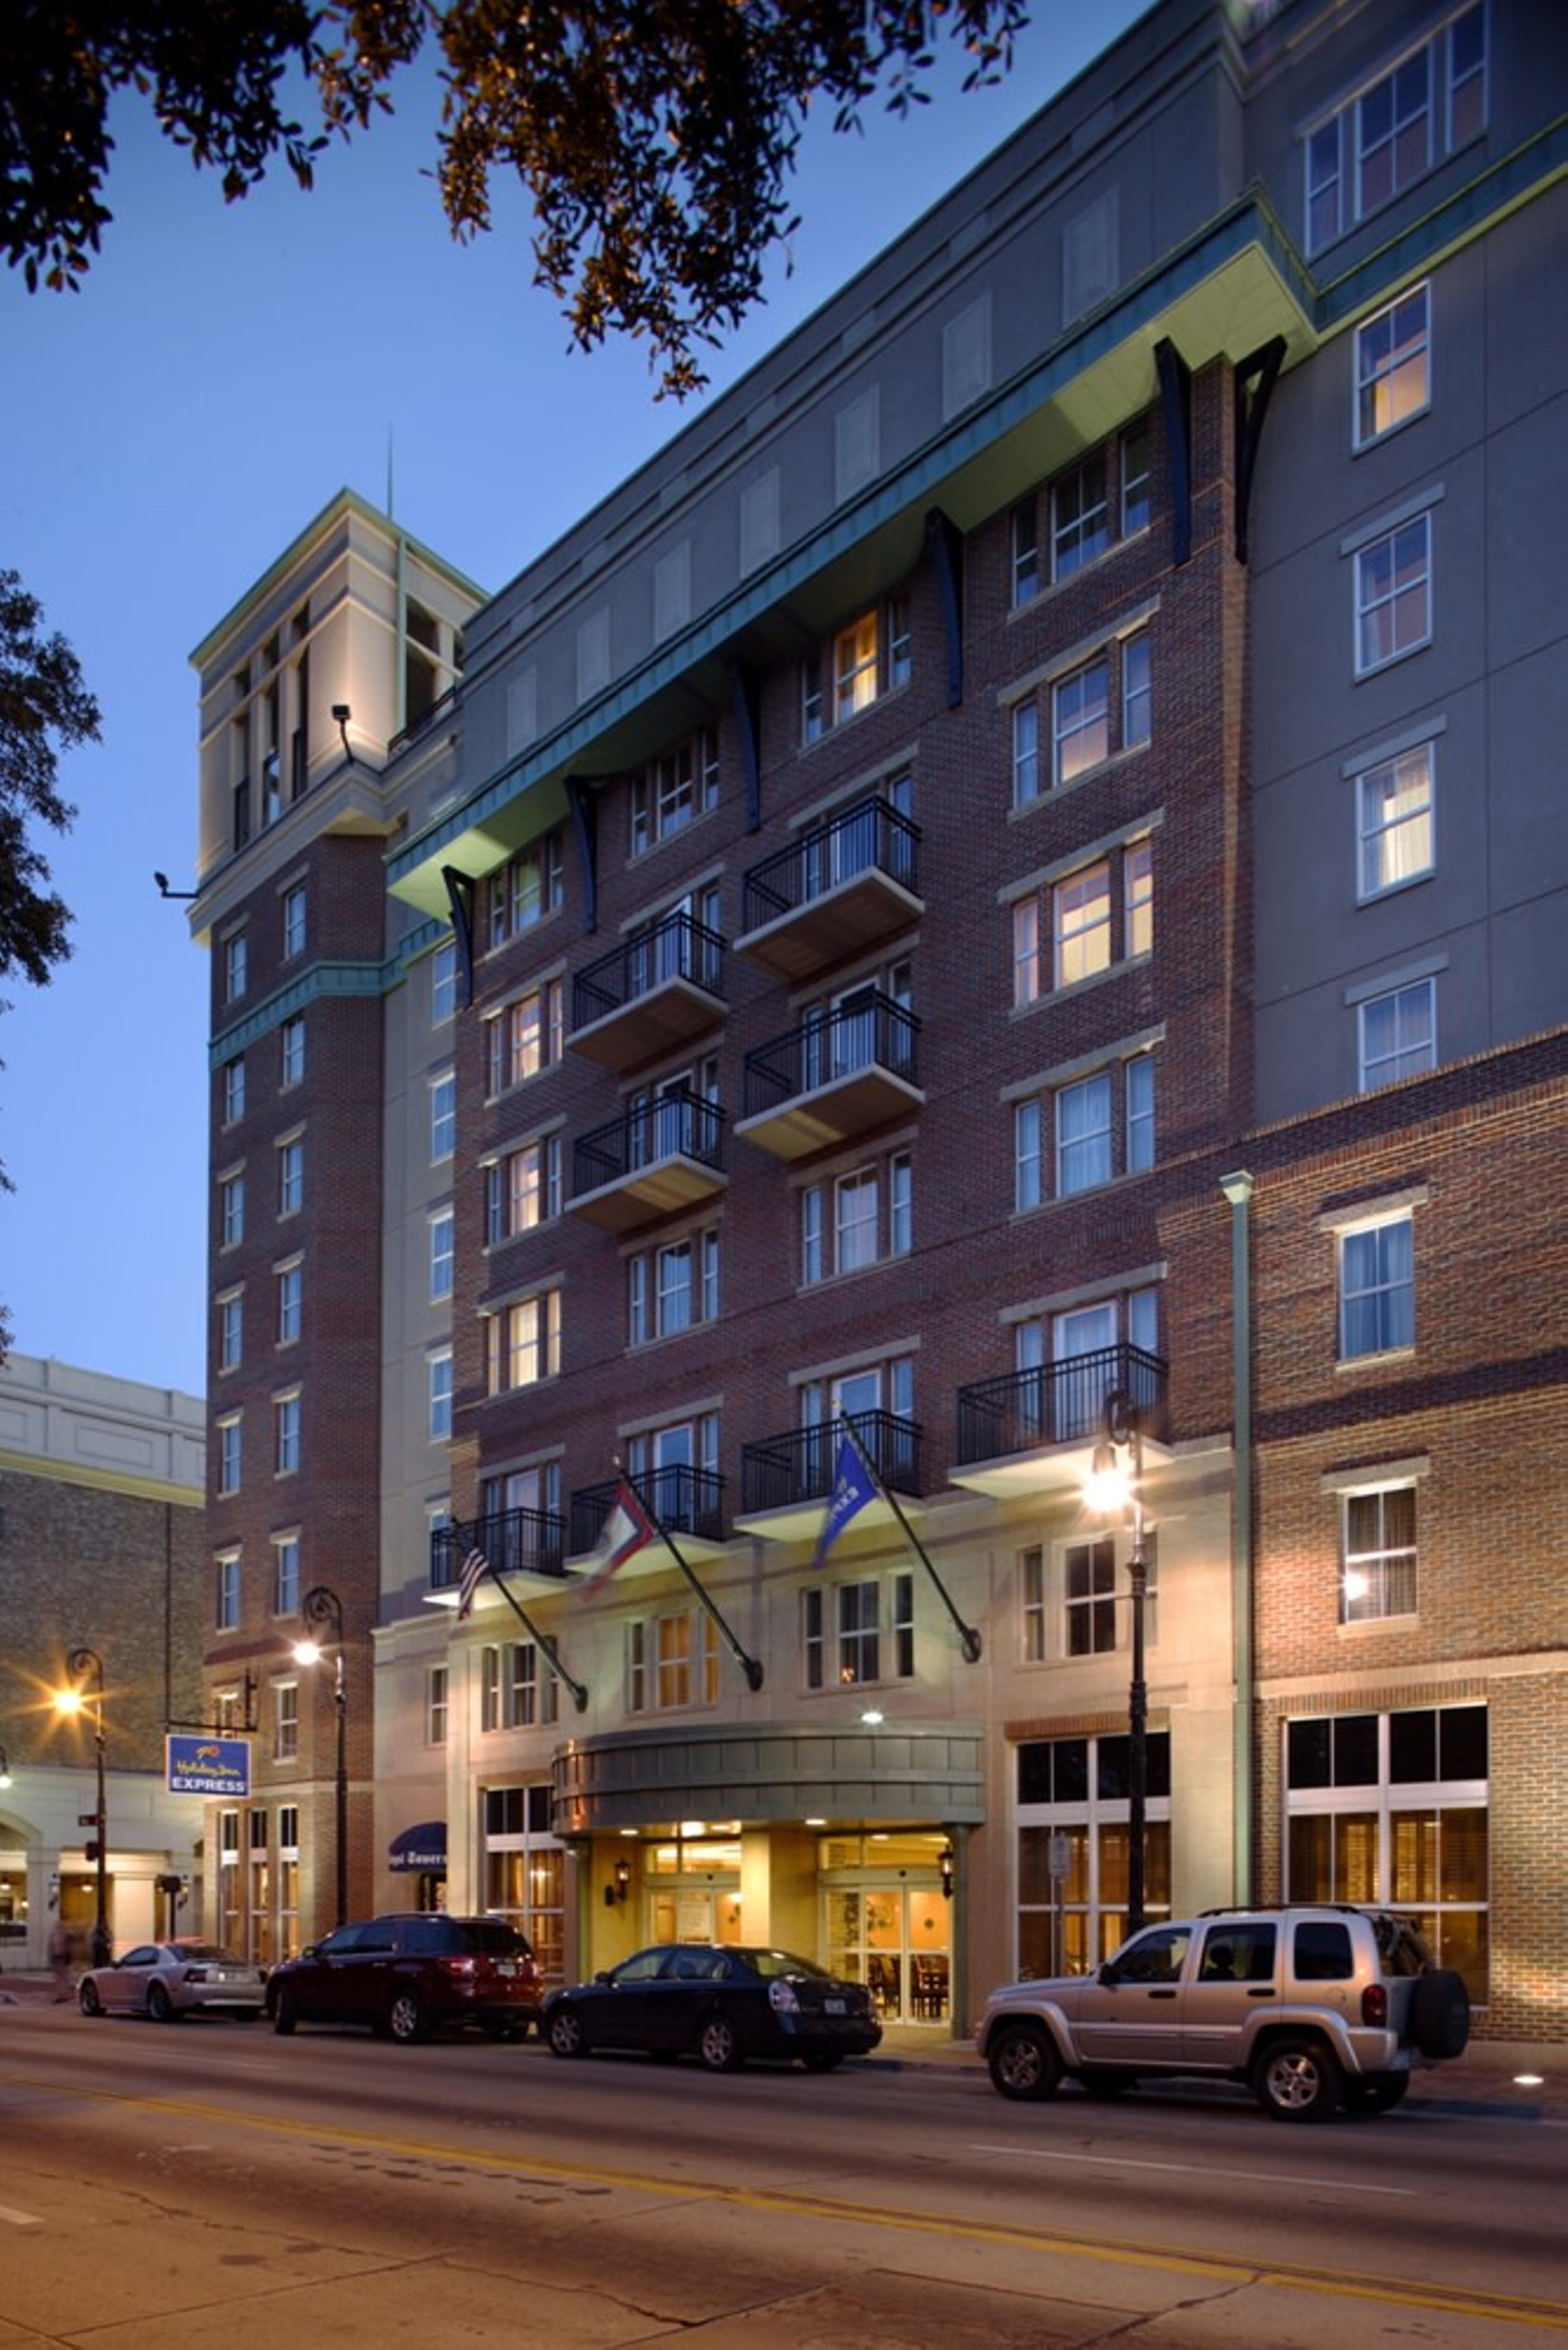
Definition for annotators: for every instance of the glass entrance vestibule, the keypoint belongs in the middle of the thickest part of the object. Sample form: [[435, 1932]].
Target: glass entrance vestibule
[[887, 1920]]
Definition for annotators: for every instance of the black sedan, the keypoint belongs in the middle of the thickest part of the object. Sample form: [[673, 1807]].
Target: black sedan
[[720, 2005]]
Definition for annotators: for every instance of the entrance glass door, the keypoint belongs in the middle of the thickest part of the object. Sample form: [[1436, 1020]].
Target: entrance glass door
[[896, 1939]]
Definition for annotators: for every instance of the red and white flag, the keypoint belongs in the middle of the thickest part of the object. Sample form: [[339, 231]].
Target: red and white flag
[[476, 1567], [628, 1529]]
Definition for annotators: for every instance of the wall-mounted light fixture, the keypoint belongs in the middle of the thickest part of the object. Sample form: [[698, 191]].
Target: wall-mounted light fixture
[[622, 1879], [165, 891], [945, 1863], [343, 713]]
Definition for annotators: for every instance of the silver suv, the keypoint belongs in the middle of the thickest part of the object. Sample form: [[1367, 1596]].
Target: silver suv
[[1314, 2008]]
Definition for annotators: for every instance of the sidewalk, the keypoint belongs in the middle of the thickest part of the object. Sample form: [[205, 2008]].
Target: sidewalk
[[1486, 2078]]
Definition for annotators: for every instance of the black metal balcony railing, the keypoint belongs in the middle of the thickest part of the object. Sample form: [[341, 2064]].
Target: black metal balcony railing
[[870, 1033], [679, 947], [779, 1472], [683, 1500], [528, 1542], [869, 836], [1057, 1403], [678, 1125]]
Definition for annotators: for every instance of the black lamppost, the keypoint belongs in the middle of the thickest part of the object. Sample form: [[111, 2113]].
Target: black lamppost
[[323, 1608], [81, 1664], [1112, 1488]]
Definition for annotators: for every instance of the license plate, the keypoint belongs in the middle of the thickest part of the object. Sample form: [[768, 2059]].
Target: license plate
[[836, 2006], [505, 1966]]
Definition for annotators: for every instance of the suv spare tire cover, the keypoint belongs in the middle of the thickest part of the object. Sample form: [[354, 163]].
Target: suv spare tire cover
[[1440, 2013]]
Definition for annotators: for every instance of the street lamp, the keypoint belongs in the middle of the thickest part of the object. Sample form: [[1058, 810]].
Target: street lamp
[[81, 1664], [1116, 1486], [322, 1606], [5, 1767]]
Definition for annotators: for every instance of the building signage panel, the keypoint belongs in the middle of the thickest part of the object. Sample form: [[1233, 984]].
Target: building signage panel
[[209, 1766]]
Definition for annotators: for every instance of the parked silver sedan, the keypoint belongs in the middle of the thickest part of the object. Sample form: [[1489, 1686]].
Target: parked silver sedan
[[169, 1979]]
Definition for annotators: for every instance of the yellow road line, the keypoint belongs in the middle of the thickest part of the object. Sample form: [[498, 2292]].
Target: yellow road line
[[1216, 2268]]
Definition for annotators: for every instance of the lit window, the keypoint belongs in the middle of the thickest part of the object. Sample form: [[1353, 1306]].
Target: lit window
[[526, 1037], [1395, 821], [1393, 367], [1081, 721], [524, 1343], [1378, 1572], [523, 1190], [1081, 924]]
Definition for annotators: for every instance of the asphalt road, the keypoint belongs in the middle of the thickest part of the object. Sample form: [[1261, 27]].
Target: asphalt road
[[209, 2181]]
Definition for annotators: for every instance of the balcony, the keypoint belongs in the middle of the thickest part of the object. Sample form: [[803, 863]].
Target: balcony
[[836, 889], [514, 1542], [786, 1481], [658, 1157], [684, 1502], [658, 991], [845, 1072], [1034, 1432]]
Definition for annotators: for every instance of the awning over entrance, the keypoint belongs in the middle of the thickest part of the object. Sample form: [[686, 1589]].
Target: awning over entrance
[[421, 1848]]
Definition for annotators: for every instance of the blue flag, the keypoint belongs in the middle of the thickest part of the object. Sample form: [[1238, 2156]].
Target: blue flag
[[853, 1487]]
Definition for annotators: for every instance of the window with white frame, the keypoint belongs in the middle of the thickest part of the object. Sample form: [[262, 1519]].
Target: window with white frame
[[234, 1091], [675, 1464], [526, 1037], [856, 667], [290, 1301], [291, 1051], [1089, 1597], [1073, 1793], [437, 1375], [1139, 1105], [1031, 1603], [526, 888], [672, 1287], [235, 967], [437, 1704], [1090, 507], [1393, 366], [227, 1591], [443, 1244], [232, 1209], [1395, 821], [1397, 1034], [1085, 1132], [1378, 1287], [517, 1688], [672, 1662], [285, 1419], [231, 1331], [1394, 1809], [1377, 1554], [523, 1190], [1393, 594], [290, 1175], [673, 790], [1098, 709], [523, 1342], [1076, 925], [286, 1574], [857, 1218], [294, 921], [443, 982], [229, 1434], [285, 1720], [1418, 110], [1073, 1350], [1083, 1113], [443, 1115], [857, 1632]]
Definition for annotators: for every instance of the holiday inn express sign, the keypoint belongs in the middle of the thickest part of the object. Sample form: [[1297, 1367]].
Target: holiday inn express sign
[[209, 1766]]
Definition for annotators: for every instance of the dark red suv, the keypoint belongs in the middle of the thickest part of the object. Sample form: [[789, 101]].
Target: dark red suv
[[408, 1975]]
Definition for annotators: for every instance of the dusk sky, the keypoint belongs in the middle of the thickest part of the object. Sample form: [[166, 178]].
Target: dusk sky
[[166, 432]]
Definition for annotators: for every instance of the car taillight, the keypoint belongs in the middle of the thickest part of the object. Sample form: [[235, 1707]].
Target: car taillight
[[1375, 2004], [783, 1999], [459, 1966], [195, 1974]]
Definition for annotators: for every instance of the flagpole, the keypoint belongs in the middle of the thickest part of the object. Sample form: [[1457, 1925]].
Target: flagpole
[[541, 1640], [750, 1666], [969, 1638]]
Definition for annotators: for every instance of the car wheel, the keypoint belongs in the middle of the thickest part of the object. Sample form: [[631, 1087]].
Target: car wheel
[[1440, 2013], [1376, 2093], [286, 2010], [565, 2033], [88, 1999], [718, 2045], [160, 2006], [827, 2062], [405, 2018], [1022, 2062], [1297, 2081]]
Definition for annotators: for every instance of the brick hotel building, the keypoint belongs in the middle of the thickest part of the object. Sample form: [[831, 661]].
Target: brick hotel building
[[1019, 860]]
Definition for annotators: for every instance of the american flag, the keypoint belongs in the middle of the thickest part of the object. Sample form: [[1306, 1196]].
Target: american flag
[[476, 1567]]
